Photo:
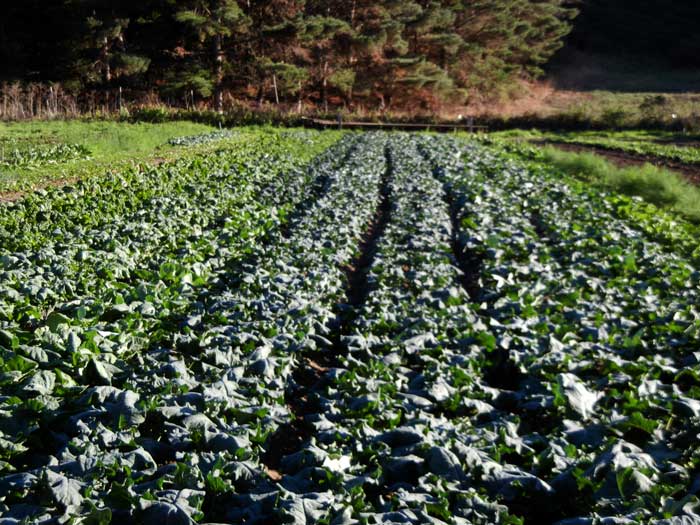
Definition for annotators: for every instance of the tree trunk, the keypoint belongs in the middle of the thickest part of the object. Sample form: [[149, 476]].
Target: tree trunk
[[107, 73], [324, 86], [106, 68], [261, 94], [299, 99], [274, 84], [218, 75]]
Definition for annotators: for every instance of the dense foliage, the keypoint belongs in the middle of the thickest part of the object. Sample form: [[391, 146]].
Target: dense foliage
[[375, 52], [373, 328]]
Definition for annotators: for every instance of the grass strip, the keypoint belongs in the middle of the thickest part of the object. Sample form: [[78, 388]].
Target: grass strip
[[658, 186], [111, 145]]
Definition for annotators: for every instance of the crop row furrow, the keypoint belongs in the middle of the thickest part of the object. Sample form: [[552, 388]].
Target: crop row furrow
[[94, 365], [378, 446], [412, 329], [596, 336], [238, 363]]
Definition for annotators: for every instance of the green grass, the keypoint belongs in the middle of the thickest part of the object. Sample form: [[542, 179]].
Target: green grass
[[111, 144], [632, 136], [661, 187], [664, 145], [106, 139]]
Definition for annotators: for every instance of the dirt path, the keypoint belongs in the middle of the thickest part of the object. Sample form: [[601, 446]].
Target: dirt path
[[681, 143], [624, 159]]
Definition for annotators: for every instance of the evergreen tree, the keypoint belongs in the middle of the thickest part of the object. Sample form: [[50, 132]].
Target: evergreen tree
[[215, 25], [379, 52], [273, 55], [432, 38], [505, 40], [101, 45], [391, 40], [321, 37]]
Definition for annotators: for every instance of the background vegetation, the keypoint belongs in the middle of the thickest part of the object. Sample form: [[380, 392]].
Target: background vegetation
[[556, 64], [381, 54], [38, 153]]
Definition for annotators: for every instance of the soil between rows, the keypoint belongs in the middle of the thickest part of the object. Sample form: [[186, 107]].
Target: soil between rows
[[313, 365], [357, 289]]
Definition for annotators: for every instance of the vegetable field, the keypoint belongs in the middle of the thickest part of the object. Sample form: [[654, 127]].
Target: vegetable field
[[306, 327]]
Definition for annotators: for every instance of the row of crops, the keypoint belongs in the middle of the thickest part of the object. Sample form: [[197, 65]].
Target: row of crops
[[16, 154], [311, 327], [206, 138]]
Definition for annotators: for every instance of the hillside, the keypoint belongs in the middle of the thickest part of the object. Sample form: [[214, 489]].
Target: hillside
[[582, 59], [623, 64], [645, 30]]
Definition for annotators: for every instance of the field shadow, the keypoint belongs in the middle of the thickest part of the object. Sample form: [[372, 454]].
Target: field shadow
[[577, 71]]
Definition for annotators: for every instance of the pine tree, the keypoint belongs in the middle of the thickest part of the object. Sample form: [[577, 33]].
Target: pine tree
[[103, 53], [215, 24], [378, 52], [273, 56], [432, 38], [321, 37], [390, 40], [505, 40]]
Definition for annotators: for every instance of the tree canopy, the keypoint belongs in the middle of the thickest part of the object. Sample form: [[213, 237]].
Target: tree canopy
[[381, 53]]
